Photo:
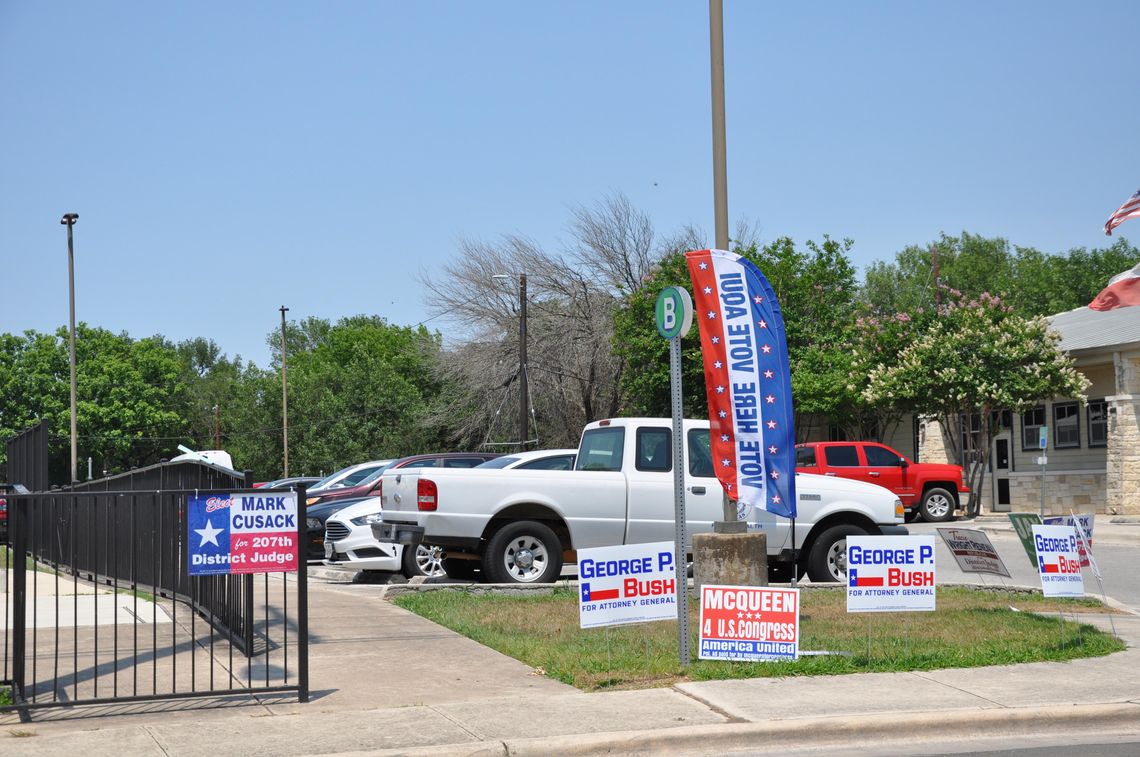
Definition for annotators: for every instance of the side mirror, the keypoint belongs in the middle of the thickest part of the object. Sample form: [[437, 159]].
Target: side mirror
[[904, 463]]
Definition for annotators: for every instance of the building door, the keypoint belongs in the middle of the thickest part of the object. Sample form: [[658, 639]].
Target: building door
[[1001, 468]]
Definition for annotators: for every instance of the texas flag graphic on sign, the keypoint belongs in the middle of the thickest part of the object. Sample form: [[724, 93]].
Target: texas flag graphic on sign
[[748, 381]]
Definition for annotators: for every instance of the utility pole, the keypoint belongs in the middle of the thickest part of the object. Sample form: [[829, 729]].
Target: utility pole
[[937, 272], [69, 220], [217, 429], [524, 386], [284, 395], [729, 523]]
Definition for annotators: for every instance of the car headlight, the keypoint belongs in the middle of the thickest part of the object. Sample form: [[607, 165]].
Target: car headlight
[[312, 500], [368, 519], [314, 524]]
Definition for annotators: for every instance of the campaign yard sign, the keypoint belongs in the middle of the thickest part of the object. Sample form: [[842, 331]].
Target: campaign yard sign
[[1085, 521], [629, 583], [1023, 524], [973, 551], [1058, 562], [751, 623], [890, 573], [241, 533]]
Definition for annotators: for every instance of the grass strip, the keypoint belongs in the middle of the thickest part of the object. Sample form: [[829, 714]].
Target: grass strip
[[970, 628]]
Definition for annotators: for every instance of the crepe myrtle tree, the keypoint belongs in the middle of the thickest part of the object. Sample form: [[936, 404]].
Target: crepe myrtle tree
[[976, 358]]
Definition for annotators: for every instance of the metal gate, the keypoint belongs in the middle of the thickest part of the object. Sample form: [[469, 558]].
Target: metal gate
[[99, 606]]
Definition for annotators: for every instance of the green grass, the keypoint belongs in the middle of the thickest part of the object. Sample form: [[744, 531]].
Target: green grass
[[5, 696], [970, 628]]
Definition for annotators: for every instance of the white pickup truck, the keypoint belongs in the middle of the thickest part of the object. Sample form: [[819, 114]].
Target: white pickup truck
[[521, 526]]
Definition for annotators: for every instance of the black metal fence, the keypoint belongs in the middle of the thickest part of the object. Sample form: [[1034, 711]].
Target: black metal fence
[[103, 609], [28, 458]]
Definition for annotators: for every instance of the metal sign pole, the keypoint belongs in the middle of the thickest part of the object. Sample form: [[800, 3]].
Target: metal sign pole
[[674, 317], [679, 552]]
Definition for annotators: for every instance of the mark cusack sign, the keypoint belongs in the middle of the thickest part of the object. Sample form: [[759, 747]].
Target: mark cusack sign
[[749, 623], [973, 551], [1058, 562], [629, 583], [241, 533], [890, 573]]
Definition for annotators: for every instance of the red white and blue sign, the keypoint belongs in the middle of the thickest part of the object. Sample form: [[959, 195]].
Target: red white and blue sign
[[890, 573], [1058, 561], [241, 533], [748, 381], [627, 583], [749, 623]]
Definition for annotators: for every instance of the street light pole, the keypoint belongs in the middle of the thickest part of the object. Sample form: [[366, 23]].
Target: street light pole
[[69, 220], [524, 386], [284, 395]]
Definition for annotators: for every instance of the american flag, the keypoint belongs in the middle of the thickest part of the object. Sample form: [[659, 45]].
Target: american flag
[[1130, 209], [748, 382]]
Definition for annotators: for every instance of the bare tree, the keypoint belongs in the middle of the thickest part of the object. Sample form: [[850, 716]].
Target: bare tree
[[573, 373]]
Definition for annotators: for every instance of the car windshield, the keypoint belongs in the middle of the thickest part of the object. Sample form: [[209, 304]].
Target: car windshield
[[499, 462], [325, 482], [375, 475]]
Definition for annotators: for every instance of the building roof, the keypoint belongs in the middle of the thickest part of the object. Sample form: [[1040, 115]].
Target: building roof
[[1085, 329]]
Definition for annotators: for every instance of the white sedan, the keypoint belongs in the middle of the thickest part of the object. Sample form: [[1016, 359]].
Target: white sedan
[[349, 542]]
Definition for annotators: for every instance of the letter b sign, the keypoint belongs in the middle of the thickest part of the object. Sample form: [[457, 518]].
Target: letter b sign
[[674, 312]]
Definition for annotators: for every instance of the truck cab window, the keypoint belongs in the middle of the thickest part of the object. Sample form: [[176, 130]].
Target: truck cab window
[[654, 451], [700, 454], [601, 449]]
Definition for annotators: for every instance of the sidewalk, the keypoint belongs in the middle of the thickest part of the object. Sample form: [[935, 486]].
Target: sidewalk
[[385, 681]]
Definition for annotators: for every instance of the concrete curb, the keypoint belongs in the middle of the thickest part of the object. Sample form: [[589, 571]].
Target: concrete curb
[[908, 728]]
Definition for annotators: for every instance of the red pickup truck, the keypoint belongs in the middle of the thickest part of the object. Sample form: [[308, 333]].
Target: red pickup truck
[[932, 490]]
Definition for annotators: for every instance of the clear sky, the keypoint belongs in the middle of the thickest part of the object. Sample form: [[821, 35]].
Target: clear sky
[[229, 158]]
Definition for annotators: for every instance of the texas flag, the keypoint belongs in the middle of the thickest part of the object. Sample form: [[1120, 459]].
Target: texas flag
[[748, 381], [1123, 290]]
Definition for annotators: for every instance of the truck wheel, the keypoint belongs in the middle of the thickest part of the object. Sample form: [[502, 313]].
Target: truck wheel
[[937, 505], [828, 558], [460, 570], [524, 552], [421, 560]]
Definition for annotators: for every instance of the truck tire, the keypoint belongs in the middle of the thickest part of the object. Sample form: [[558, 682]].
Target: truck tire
[[421, 560], [827, 561], [523, 552], [937, 505], [460, 570]]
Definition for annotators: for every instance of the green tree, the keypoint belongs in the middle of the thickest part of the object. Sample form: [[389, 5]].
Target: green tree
[[975, 358]]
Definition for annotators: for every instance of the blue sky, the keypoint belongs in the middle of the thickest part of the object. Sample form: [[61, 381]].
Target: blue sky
[[226, 159]]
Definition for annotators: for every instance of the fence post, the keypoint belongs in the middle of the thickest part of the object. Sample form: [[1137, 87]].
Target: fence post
[[18, 557], [247, 591], [302, 595]]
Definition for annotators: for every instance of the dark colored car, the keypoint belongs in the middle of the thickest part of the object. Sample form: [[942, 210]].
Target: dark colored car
[[291, 481], [370, 486]]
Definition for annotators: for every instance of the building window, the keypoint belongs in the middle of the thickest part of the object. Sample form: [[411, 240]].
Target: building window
[[836, 433], [1066, 425], [1098, 423], [1031, 423]]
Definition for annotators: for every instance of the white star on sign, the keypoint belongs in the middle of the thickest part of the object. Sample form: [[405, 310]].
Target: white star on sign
[[715, 340], [762, 324], [711, 315], [765, 349], [775, 475], [718, 365], [708, 290], [770, 399], [772, 450], [768, 374], [209, 534], [757, 299], [703, 266], [720, 390], [725, 462], [775, 499], [722, 414], [724, 437], [771, 424]]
